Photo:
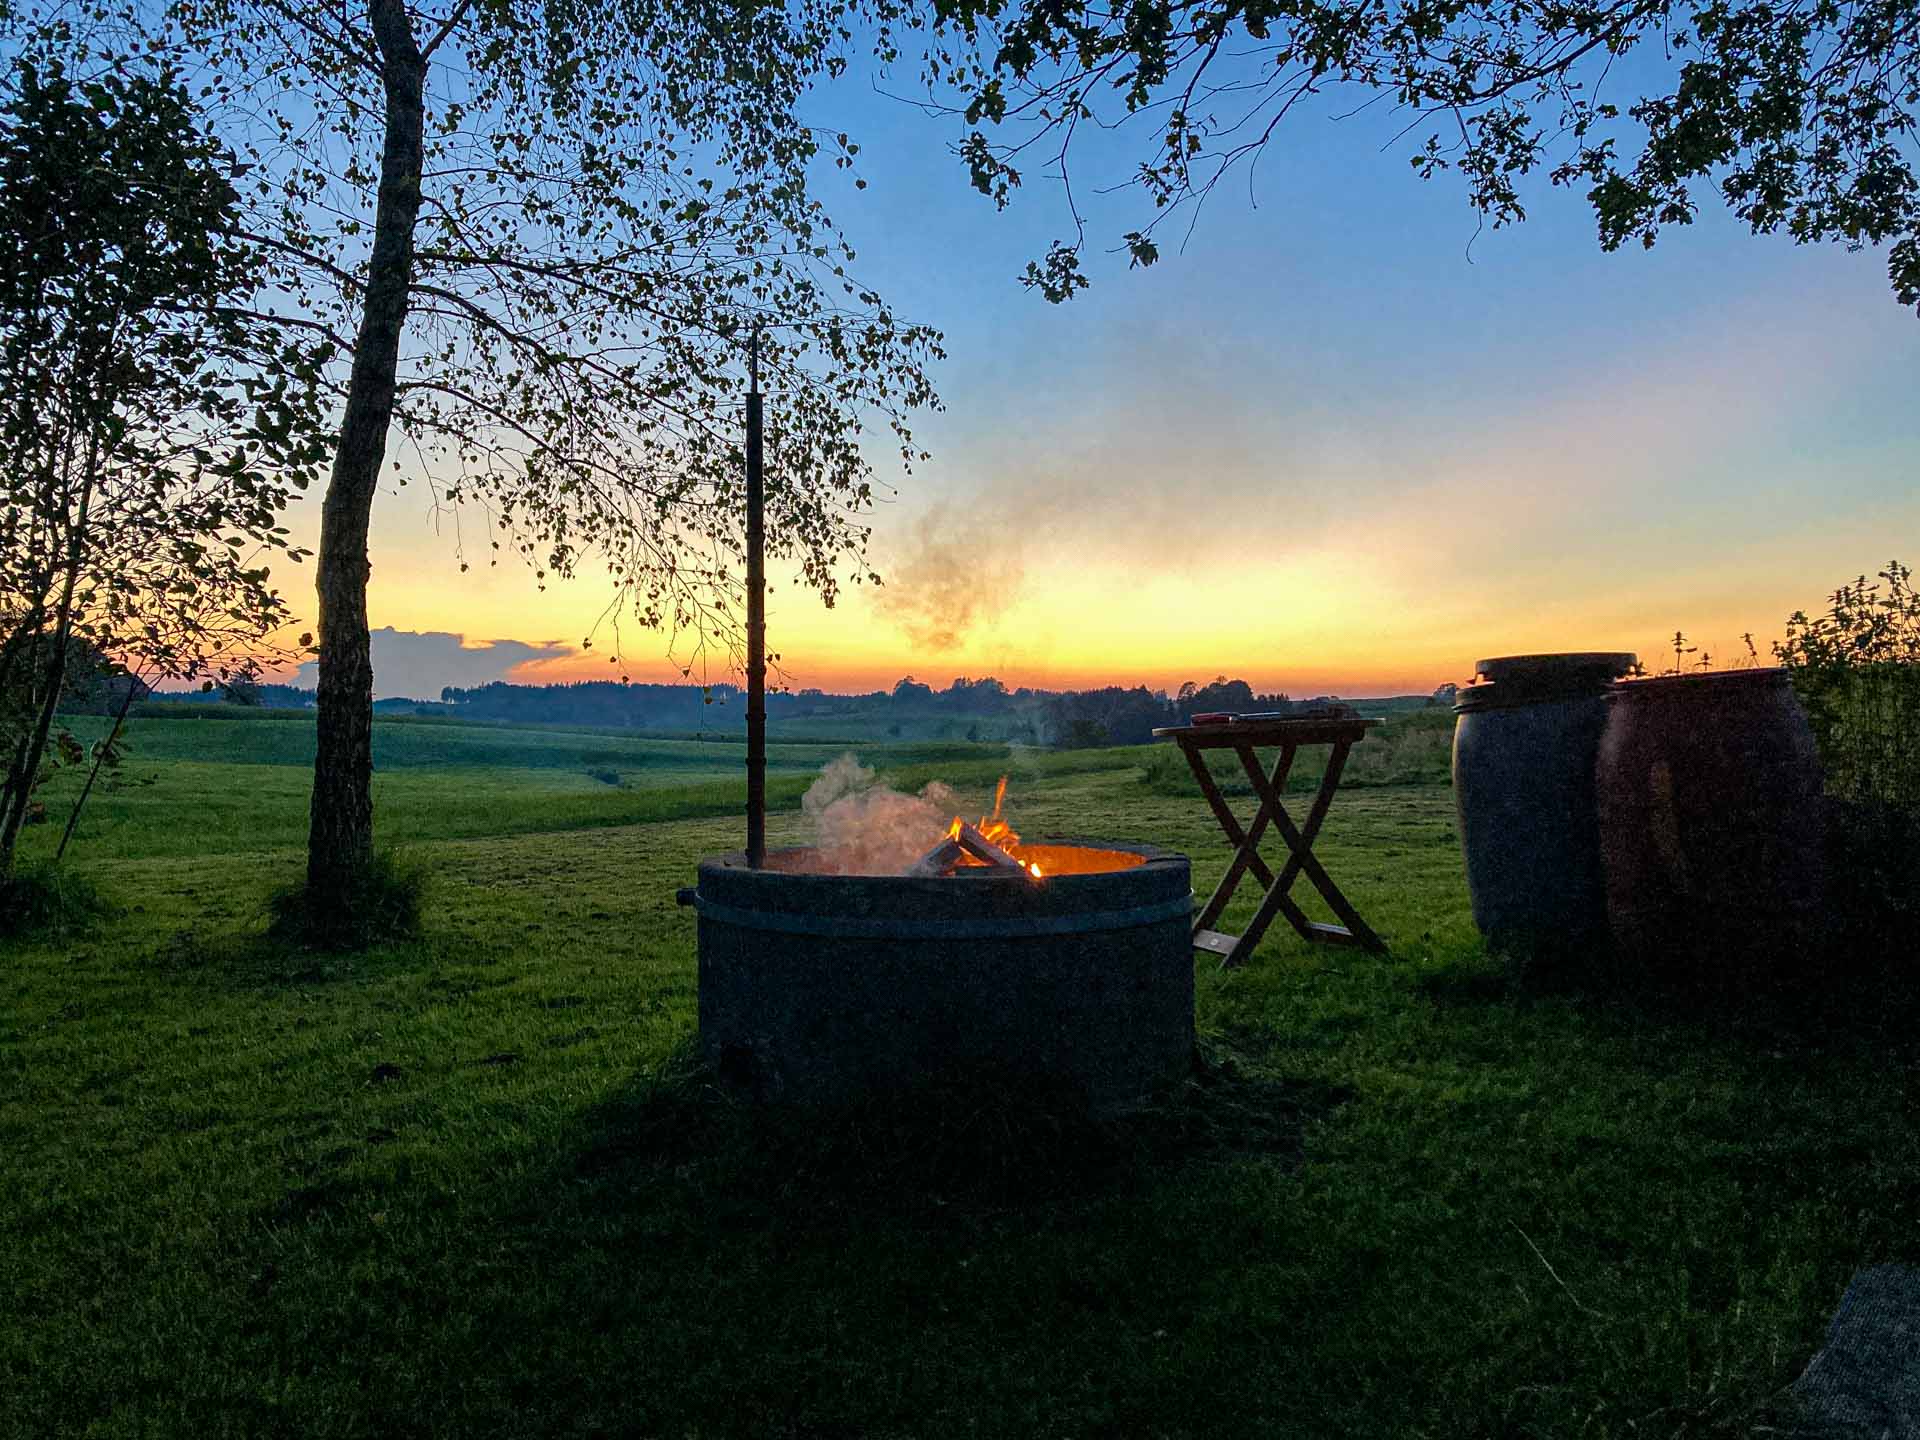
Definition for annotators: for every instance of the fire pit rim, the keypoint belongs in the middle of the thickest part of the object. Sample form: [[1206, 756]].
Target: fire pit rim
[[1152, 856], [976, 905]]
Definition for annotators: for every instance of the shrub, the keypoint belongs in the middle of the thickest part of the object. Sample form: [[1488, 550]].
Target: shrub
[[383, 905], [1873, 856], [46, 899], [1857, 671]]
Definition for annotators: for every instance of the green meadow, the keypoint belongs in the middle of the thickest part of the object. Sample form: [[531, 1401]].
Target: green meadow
[[473, 1185]]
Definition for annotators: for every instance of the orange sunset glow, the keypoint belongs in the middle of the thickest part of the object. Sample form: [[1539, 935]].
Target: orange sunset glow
[[1112, 526]]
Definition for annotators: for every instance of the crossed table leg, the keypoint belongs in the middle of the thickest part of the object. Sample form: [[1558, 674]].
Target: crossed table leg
[[1267, 786]]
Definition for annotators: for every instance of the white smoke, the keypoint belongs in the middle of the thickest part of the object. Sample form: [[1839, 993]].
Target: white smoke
[[949, 577], [860, 828]]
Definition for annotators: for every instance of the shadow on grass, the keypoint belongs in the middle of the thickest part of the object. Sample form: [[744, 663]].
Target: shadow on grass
[[1862, 986], [674, 1260], [1858, 981], [379, 904], [261, 959], [969, 1144]]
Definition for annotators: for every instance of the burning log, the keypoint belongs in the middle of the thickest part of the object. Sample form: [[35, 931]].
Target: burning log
[[938, 861], [963, 842], [984, 850]]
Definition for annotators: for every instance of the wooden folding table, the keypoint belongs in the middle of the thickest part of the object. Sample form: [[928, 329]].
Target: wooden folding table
[[1244, 737]]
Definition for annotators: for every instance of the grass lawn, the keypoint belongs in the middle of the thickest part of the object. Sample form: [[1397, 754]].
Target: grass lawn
[[464, 1186]]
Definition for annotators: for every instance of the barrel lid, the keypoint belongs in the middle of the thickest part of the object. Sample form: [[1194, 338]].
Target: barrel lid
[[1519, 680], [1695, 682], [1530, 669]]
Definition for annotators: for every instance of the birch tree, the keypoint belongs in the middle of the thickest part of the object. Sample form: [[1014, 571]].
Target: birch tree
[[538, 235]]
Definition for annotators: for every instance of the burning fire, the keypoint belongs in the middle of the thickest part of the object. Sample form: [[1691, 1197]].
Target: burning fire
[[997, 830]]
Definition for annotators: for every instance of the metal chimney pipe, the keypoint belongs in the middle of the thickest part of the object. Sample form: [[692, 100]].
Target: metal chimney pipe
[[756, 621]]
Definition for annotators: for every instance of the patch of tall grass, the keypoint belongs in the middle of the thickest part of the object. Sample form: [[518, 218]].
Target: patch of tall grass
[[46, 900], [382, 905]]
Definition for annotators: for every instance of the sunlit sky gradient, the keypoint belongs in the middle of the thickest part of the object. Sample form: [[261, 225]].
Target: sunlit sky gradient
[[1339, 444]]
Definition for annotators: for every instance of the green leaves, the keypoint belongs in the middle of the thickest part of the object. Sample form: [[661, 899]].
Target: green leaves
[[1801, 117], [615, 196], [1857, 670], [1058, 276], [156, 422]]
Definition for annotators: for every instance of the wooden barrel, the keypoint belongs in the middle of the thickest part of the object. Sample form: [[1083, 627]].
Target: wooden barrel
[[1523, 759], [1711, 825]]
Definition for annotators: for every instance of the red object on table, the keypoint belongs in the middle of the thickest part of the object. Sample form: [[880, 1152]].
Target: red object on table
[[1241, 736], [1212, 717]]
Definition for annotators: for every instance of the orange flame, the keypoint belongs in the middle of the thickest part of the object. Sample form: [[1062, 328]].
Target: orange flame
[[997, 830]]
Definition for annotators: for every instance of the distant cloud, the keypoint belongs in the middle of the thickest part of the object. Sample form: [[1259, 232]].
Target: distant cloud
[[418, 664]]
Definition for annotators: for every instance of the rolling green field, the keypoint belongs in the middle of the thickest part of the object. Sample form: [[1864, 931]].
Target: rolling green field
[[470, 1185]]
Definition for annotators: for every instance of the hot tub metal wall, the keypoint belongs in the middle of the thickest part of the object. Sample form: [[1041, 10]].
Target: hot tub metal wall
[[825, 989]]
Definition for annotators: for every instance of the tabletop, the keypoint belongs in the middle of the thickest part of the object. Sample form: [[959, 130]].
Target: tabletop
[[1311, 730]]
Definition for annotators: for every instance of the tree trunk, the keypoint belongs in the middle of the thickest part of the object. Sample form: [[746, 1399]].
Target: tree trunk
[[21, 781], [24, 639], [93, 773], [16, 796], [340, 839]]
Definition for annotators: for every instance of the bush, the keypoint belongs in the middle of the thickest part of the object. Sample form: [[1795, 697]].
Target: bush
[[1873, 856], [46, 899], [1857, 672], [384, 905], [1866, 719]]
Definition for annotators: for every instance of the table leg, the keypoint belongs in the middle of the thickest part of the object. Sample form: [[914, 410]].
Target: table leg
[[1247, 854], [1299, 842]]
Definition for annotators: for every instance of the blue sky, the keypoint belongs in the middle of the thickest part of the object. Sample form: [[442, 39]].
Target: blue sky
[[1322, 446]]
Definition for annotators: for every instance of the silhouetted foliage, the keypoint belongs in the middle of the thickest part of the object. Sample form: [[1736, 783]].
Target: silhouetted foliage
[[1234, 696], [1068, 719], [606, 702], [1802, 118], [538, 235], [1084, 719], [244, 688], [1857, 670], [153, 429], [98, 687]]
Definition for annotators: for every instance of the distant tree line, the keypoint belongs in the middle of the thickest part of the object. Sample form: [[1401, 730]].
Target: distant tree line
[[1067, 719], [1074, 719], [1084, 719]]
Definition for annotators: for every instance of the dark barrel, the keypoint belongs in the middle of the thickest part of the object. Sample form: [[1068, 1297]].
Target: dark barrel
[[837, 988], [1524, 749], [1711, 823]]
